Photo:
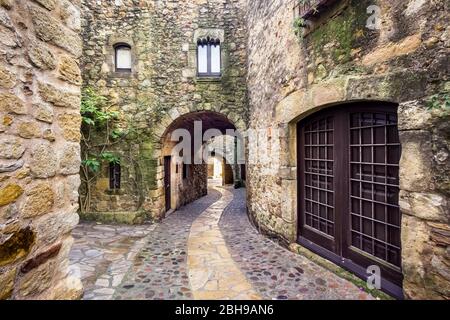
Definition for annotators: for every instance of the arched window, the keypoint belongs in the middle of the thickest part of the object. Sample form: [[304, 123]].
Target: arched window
[[122, 57], [208, 57]]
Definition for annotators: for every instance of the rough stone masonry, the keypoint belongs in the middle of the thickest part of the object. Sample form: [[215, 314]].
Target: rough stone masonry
[[40, 83], [339, 60], [272, 78]]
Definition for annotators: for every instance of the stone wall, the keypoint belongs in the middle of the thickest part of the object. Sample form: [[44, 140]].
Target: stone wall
[[163, 84], [338, 60], [39, 147]]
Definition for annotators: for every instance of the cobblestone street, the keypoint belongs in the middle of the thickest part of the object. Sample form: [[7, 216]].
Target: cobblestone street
[[206, 250]]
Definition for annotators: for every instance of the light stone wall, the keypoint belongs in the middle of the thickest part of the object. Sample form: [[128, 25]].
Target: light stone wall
[[339, 61], [39, 147]]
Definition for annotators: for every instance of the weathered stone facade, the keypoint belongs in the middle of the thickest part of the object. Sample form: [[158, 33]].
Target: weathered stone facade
[[339, 60], [271, 79], [162, 87], [39, 147]]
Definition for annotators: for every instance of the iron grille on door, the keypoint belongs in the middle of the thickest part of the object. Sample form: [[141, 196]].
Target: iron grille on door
[[374, 167], [319, 176], [349, 186]]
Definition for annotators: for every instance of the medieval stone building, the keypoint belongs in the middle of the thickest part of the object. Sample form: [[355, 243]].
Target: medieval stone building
[[344, 102]]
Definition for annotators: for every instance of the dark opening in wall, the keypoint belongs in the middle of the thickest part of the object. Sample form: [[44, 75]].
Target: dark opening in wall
[[185, 171], [114, 176]]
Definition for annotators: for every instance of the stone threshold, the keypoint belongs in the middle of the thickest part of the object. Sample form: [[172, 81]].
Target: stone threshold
[[123, 217]]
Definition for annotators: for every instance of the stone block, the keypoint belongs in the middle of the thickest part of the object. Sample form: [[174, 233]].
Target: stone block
[[70, 124], [413, 115], [40, 56], [7, 78], [128, 217], [426, 206], [16, 246], [69, 70], [9, 194], [12, 104], [7, 281], [59, 98], [47, 4], [392, 50], [44, 162], [49, 228], [50, 30], [43, 112], [39, 200], [415, 163], [70, 160], [37, 280], [11, 147], [28, 130]]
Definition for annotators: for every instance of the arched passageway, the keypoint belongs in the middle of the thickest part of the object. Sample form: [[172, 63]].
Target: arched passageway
[[187, 144]]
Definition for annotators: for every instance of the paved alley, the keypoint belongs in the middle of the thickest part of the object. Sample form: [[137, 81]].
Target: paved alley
[[206, 250]]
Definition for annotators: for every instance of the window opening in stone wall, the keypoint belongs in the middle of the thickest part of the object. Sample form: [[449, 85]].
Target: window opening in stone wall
[[122, 57], [209, 57], [114, 176]]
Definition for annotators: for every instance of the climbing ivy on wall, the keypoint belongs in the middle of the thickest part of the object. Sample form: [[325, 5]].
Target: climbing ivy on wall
[[99, 132], [439, 101]]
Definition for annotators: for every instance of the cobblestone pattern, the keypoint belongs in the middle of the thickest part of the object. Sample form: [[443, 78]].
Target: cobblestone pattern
[[102, 255], [273, 271], [160, 270], [193, 255]]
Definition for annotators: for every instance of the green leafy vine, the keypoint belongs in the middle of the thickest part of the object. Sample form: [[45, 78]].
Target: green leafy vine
[[99, 132]]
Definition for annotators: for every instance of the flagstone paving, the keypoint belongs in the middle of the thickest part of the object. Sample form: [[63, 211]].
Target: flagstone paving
[[205, 250], [213, 273], [102, 255]]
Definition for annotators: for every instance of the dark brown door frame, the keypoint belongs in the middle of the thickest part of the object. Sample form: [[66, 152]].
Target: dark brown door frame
[[338, 249], [167, 181]]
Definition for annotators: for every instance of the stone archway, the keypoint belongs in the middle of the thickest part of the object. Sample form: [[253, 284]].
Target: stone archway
[[188, 179]]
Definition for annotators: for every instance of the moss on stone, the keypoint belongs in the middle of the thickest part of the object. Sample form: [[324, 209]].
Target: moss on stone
[[129, 218]]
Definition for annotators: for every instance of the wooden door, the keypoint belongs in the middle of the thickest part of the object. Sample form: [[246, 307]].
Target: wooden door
[[348, 160]]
